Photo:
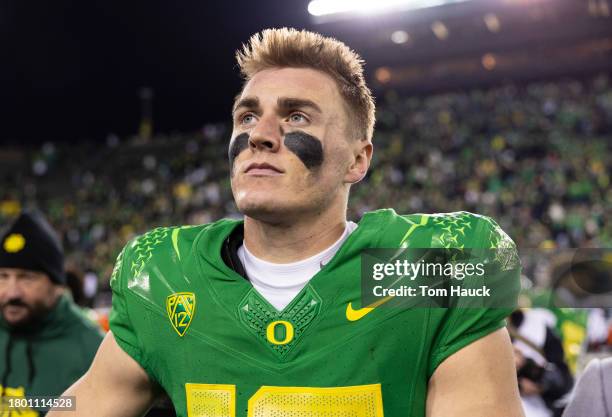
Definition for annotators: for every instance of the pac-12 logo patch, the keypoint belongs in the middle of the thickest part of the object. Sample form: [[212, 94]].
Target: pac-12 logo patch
[[181, 308]]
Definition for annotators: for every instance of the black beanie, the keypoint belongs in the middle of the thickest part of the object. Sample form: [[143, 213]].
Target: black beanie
[[30, 243]]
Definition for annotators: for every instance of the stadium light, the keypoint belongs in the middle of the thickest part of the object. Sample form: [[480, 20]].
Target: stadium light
[[492, 22], [383, 75], [440, 30], [330, 7], [489, 62], [400, 36]]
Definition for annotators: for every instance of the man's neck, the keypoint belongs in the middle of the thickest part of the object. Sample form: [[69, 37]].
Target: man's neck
[[300, 239]]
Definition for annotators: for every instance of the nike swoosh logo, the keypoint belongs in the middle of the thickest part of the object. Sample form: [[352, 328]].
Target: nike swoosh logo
[[354, 315]]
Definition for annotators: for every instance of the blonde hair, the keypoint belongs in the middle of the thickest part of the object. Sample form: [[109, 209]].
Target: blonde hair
[[288, 47]]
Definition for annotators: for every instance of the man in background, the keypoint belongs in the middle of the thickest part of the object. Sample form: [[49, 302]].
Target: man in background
[[592, 395], [543, 375], [46, 343]]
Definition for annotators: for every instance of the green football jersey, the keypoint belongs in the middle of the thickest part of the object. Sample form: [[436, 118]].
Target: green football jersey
[[219, 349]]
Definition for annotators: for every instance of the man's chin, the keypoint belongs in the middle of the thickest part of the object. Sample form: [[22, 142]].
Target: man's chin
[[267, 212]]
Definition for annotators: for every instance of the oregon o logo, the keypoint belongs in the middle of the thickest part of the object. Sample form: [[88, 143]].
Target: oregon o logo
[[274, 332]]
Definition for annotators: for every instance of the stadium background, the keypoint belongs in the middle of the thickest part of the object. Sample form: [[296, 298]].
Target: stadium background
[[116, 117]]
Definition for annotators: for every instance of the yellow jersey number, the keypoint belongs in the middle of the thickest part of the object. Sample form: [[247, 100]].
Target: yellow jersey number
[[219, 400]]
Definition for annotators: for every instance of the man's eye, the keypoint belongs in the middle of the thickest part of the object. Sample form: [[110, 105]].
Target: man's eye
[[247, 118], [28, 277], [297, 117]]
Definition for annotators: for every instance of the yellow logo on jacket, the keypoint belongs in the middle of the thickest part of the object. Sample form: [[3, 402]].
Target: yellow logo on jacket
[[181, 308]]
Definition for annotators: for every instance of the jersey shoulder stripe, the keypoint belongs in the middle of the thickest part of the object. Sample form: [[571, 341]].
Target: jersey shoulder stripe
[[460, 229]]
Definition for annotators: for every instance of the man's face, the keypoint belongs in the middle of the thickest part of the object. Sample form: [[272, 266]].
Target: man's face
[[289, 153], [25, 295]]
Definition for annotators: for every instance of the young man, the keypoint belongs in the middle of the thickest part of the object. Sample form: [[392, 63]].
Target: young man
[[261, 317], [46, 344]]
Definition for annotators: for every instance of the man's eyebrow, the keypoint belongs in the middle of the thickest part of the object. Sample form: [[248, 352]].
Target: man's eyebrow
[[286, 103], [283, 103], [248, 102]]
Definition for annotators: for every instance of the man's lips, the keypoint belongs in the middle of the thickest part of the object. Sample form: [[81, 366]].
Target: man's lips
[[262, 169], [12, 309]]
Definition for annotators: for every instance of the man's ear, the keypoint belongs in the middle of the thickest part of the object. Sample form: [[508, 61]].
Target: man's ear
[[363, 156]]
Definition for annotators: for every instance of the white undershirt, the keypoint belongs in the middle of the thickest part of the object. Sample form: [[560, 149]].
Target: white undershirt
[[280, 283]]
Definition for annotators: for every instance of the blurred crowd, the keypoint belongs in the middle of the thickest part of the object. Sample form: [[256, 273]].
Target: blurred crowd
[[534, 157]]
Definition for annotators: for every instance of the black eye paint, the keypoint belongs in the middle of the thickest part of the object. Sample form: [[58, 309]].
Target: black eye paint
[[308, 148], [236, 146]]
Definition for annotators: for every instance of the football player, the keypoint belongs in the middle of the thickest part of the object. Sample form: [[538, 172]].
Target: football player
[[262, 316]]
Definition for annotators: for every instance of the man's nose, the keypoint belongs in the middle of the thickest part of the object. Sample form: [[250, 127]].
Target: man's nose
[[266, 135]]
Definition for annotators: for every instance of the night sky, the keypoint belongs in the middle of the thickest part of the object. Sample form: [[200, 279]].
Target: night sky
[[71, 70]]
